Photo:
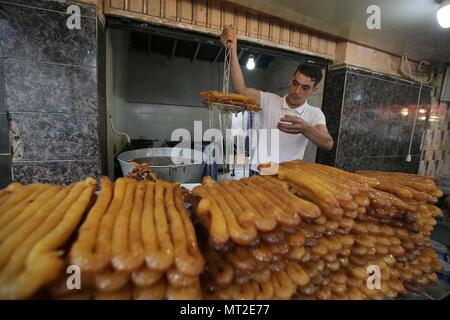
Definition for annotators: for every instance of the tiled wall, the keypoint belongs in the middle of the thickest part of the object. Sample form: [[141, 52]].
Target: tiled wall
[[371, 117], [50, 81], [435, 159], [5, 154]]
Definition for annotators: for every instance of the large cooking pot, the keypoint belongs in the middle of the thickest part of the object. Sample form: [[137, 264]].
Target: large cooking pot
[[161, 164]]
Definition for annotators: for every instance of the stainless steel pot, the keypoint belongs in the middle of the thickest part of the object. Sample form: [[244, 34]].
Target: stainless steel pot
[[182, 173]]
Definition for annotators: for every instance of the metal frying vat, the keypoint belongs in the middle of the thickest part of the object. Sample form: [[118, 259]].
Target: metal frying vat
[[182, 173]]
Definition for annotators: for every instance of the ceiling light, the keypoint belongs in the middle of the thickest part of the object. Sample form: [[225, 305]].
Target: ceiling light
[[404, 112], [251, 63], [443, 14]]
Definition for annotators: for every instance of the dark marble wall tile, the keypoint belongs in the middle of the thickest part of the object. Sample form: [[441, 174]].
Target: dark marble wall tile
[[364, 140], [332, 108], [382, 166], [339, 161], [87, 11], [4, 134], [407, 115], [368, 104], [50, 82], [334, 91], [101, 94], [347, 142], [351, 112], [5, 157], [376, 164], [417, 140], [2, 86], [360, 163], [400, 164], [346, 164], [423, 113], [378, 114], [5, 170], [377, 137], [39, 35], [390, 138], [414, 165], [364, 164], [44, 87], [425, 97], [405, 130], [61, 172], [43, 136], [355, 164], [398, 102], [375, 99], [411, 96], [386, 100]]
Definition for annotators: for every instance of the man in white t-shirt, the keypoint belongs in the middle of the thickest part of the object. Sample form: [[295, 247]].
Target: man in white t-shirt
[[296, 120]]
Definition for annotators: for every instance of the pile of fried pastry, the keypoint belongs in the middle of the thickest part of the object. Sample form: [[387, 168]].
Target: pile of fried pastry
[[231, 100], [309, 231], [316, 232]]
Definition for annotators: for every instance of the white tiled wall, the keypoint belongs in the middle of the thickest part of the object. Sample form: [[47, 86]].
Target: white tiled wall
[[159, 121]]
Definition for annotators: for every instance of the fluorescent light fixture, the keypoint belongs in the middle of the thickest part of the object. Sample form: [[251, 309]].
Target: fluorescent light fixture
[[443, 14], [251, 63]]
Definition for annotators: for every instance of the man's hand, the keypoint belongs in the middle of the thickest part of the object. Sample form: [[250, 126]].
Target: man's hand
[[295, 125], [318, 134], [229, 37]]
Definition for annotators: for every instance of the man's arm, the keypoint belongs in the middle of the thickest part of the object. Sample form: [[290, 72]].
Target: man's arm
[[320, 136], [229, 37], [317, 134]]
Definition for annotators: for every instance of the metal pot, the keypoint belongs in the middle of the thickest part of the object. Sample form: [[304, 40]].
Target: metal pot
[[182, 173]]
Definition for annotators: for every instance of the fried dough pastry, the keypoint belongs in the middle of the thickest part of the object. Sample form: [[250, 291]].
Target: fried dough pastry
[[246, 103], [35, 260]]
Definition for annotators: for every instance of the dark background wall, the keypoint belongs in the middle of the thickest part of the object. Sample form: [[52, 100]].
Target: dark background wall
[[371, 117], [50, 73], [5, 155]]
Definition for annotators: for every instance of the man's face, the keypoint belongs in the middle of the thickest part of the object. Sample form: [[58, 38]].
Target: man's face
[[300, 89]]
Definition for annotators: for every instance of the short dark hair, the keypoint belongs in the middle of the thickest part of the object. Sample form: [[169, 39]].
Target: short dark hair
[[312, 72]]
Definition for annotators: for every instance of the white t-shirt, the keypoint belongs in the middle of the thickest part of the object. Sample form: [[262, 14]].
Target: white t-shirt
[[290, 146]]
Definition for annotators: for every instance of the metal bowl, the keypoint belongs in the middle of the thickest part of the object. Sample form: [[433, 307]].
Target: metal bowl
[[182, 173]]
